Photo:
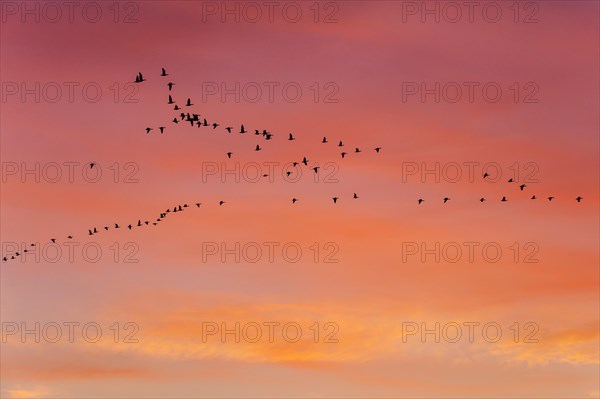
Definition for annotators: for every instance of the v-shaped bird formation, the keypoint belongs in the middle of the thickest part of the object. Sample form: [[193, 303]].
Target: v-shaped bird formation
[[199, 121]]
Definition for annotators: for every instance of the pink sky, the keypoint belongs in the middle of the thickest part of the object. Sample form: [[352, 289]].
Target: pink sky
[[367, 56]]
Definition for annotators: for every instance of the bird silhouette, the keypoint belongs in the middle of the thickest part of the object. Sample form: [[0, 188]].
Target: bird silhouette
[[188, 103], [503, 199], [510, 180], [335, 200], [481, 199], [340, 144], [148, 129], [485, 175], [162, 129], [221, 203], [294, 200], [324, 140], [170, 85], [305, 161], [291, 138], [242, 130], [446, 200], [420, 200], [198, 204], [316, 169], [257, 148], [377, 149], [522, 186], [52, 239], [343, 154], [171, 100], [229, 154], [92, 165], [357, 150], [533, 197], [164, 73], [355, 196], [578, 199], [550, 198], [228, 129]]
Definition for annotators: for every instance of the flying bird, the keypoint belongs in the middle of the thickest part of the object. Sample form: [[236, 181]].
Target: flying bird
[[164, 73], [148, 129], [420, 200], [503, 199], [188, 103], [294, 200], [550, 198], [335, 200], [162, 129], [170, 85], [229, 154], [221, 203], [578, 199], [522, 186], [324, 140], [355, 196], [377, 149], [257, 148], [446, 200], [291, 138], [343, 154]]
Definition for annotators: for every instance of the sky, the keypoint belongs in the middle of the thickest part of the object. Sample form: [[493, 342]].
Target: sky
[[378, 296]]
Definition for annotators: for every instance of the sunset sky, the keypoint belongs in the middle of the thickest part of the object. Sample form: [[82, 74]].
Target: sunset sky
[[367, 272]]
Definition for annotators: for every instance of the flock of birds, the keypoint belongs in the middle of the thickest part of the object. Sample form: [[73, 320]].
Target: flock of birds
[[195, 119], [114, 226], [521, 188], [199, 121]]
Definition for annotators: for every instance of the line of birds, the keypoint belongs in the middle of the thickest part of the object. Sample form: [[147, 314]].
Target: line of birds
[[195, 120], [511, 180], [94, 230]]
